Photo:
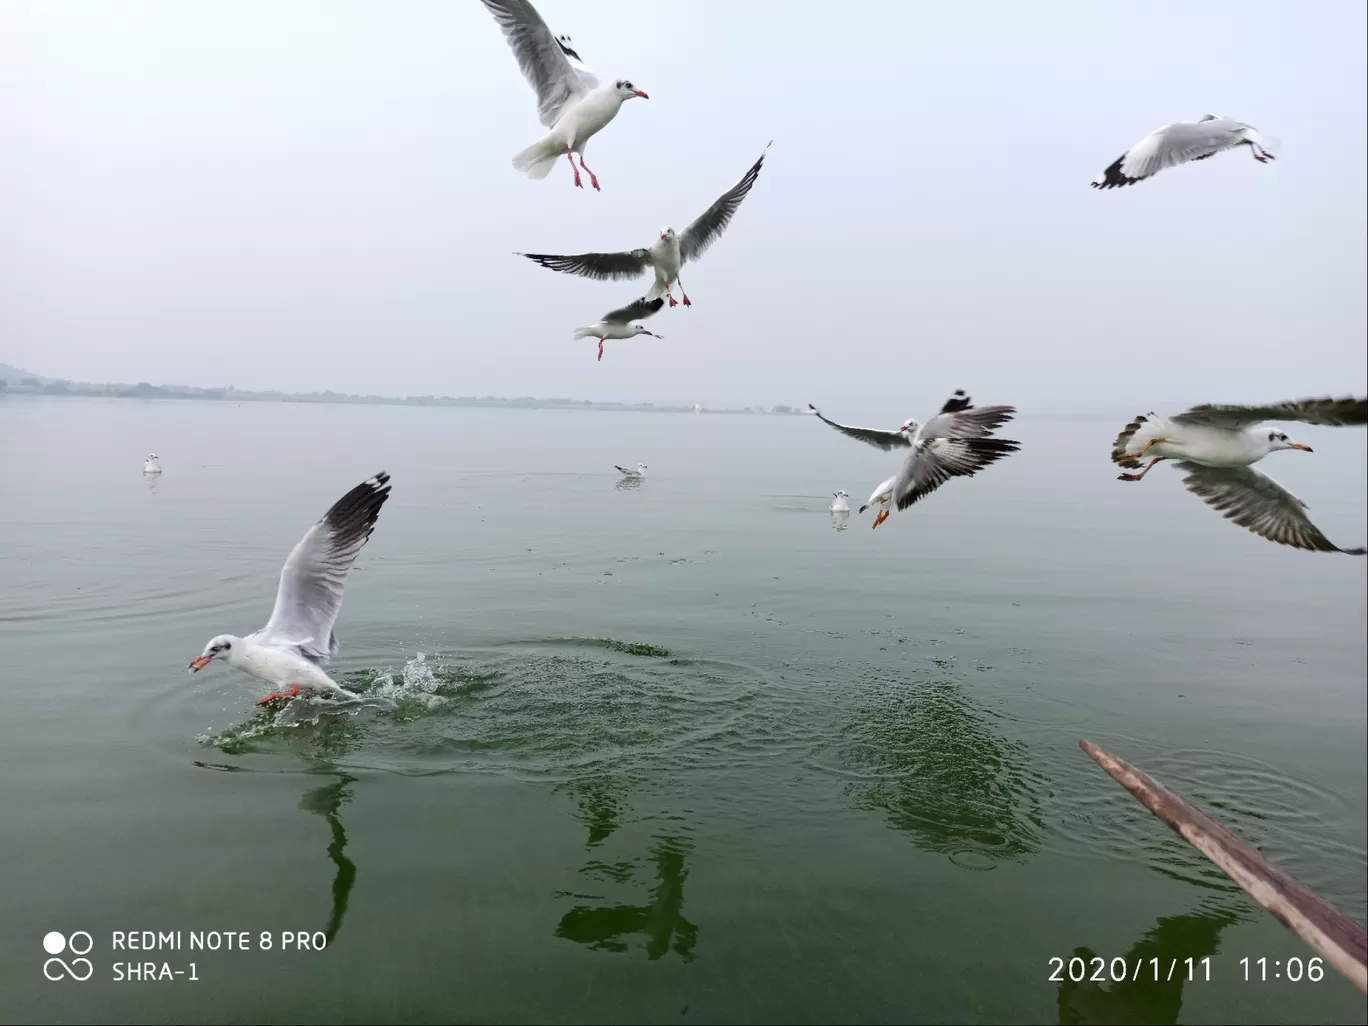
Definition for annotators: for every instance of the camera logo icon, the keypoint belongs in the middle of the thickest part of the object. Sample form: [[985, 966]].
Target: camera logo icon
[[79, 969]]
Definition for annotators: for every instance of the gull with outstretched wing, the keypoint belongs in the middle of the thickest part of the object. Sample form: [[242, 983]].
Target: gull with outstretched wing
[[298, 639], [1217, 445], [1179, 143], [667, 253], [570, 100], [623, 323]]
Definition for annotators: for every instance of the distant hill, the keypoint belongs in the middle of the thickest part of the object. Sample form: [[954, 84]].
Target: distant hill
[[14, 375]]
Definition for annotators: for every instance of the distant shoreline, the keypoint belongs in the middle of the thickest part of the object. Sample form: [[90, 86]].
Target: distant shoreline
[[22, 383]]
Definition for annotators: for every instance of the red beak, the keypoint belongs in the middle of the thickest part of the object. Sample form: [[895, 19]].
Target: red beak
[[200, 662], [638, 92]]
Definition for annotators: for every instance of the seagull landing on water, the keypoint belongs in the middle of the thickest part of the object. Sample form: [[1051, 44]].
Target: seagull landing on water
[[667, 254], [624, 323], [840, 502], [637, 474], [570, 100], [954, 443], [1179, 143], [298, 639], [1217, 445], [150, 465]]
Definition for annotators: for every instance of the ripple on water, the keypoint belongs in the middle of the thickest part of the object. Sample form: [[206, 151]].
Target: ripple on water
[[1295, 823], [924, 755], [543, 710]]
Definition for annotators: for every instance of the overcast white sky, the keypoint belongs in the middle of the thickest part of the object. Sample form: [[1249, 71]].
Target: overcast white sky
[[310, 195]]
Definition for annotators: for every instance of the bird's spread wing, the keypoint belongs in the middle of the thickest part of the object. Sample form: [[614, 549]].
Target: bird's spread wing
[[708, 227], [1345, 412], [933, 461], [311, 582], [1168, 147], [638, 310], [542, 59], [600, 266], [960, 418], [885, 440], [586, 76], [1256, 502]]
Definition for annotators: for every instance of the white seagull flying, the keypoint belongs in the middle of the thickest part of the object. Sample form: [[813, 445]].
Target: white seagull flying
[[639, 472], [151, 466], [956, 442], [624, 323], [570, 100], [1179, 143], [298, 639], [666, 254], [1217, 445]]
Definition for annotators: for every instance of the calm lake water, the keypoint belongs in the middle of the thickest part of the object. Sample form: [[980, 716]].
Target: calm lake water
[[677, 752]]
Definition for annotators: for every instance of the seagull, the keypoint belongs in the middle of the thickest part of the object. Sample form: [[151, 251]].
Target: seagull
[[151, 466], [1217, 445], [638, 473], [840, 502], [1179, 143], [570, 100], [624, 323], [667, 253], [955, 442], [298, 639]]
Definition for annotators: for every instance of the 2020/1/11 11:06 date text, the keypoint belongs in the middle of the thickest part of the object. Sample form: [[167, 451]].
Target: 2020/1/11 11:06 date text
[[1261, 970], [1115, 970]]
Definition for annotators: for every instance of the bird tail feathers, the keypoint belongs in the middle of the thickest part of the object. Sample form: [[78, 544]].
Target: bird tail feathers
[[583, 333], [537, 160]]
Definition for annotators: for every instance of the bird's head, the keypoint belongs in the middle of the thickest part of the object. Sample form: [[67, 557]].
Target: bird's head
[[640, 329], [1279, 440], [152, 456], [222, 646], [667, 232], [625, 90], [1209, 117], [642, 466], [909, 427]]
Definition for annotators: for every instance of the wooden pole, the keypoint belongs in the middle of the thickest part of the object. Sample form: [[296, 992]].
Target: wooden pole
[[1326, 930]]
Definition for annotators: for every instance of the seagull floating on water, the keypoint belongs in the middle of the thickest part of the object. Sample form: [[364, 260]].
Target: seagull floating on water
[[840, 502], [954, 443], [1179, 143], [638, 473], [1217, 445], [298, 639], [150, 465], [570, 100], [624, 323], [667, 254]]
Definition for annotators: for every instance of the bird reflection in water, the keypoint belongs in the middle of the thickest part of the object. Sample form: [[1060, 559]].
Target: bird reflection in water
[[327, 801], [1172, 940], [608, 927], [840, 521]]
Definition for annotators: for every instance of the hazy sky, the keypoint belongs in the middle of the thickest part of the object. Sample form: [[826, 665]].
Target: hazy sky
[[310, 195]]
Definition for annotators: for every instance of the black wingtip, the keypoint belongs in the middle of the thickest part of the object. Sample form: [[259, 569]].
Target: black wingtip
[[1112, 178]]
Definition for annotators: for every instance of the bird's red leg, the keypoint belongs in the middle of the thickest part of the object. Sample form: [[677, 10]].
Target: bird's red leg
[[600, 349], [682, 293], [1137, 455], [883, 515], [571, 157], [669, 294], [592, 179], [1137, 477], [294, 690]]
